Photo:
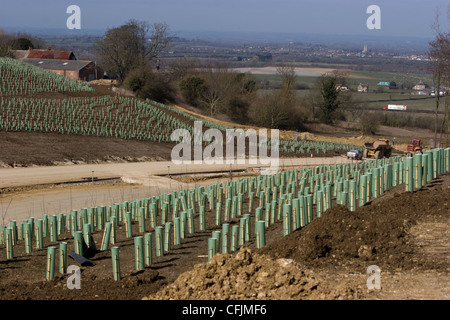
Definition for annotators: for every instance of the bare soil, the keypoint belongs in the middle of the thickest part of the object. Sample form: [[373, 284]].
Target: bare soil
[[350, 133], [44, 149], [26, 149], [405, 234]]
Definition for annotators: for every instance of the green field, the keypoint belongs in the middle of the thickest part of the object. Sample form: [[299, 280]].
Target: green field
[[412, 102], [377, 97], [356, 77]]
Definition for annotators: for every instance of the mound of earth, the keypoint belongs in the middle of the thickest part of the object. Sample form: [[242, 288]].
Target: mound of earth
[[244, 275], [405, 234], [378, 233]]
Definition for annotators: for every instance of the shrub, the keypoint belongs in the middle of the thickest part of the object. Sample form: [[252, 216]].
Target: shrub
[[147, 84], [369, 122]]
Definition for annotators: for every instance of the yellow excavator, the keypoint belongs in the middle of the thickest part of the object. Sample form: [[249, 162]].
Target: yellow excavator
[[378, 149]]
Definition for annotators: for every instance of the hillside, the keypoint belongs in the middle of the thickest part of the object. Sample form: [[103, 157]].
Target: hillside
[[52, 110], [322, 226]]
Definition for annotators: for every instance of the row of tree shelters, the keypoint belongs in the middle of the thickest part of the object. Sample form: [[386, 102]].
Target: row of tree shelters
[[60, 62]]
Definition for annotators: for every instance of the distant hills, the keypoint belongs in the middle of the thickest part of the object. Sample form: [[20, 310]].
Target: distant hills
[[332, 40], [379, 42]]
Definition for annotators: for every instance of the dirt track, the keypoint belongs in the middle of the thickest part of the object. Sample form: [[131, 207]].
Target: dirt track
[[139, 181], [134, 171]]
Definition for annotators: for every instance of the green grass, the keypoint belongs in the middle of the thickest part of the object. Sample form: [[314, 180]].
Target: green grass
[[355, 77], [372, 99], [379, 100]]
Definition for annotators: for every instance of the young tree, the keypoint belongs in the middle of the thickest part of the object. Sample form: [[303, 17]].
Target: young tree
[[131, 46]]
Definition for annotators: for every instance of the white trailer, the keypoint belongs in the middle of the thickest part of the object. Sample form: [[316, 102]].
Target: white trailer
[[395, 107]]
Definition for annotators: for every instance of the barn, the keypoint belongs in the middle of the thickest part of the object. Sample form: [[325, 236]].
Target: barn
[[43, 54], [75, 69], [61, 62], [50, 54]]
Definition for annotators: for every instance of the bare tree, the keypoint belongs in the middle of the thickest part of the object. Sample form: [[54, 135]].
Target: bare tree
[[439, 64], [17, 41], [4, 212], [130, 46], [288, 77], [279, 109], [220, 82], [180, 68], [270, 111]]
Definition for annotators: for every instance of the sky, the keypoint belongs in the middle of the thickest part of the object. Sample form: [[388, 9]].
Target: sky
[[408, 18]]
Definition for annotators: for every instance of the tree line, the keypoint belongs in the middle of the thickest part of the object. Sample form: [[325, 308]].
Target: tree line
[[17, 41]]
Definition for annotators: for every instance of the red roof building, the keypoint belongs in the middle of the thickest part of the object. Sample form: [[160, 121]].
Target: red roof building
[[50, 54], [60, 62], [76, 69]]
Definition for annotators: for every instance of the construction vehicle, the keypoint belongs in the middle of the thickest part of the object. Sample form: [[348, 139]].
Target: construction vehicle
[[378, 149], [414, 146]]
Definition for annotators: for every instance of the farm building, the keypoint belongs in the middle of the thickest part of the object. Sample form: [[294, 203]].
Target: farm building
[[48, 54], [363, 87], [420, 86], [75, 69], [51, 54], [341, 87], [61, 62]]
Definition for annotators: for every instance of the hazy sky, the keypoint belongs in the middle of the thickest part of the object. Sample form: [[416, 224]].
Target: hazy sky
[[398, 17]]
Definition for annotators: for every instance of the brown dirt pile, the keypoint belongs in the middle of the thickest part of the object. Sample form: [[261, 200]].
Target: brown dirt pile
[[374, 234], [328, 258], [244, 275]]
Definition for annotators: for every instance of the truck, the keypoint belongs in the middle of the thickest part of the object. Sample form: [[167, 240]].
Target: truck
[[394, 107], [378, 149], [354, 154]]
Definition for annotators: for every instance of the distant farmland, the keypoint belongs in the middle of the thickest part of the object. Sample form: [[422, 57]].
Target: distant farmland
[[376, 98]]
